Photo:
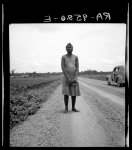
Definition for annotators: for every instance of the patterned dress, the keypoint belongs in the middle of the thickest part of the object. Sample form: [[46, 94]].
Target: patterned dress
[[70, 65]]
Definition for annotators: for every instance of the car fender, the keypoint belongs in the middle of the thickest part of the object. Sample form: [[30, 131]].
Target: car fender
[[109, 78], [120, 78]]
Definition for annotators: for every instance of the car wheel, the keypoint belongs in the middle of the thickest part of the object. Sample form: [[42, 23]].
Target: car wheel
[[118, 83]]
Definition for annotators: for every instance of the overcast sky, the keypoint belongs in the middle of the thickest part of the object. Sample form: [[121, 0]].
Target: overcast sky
[[39, 47]]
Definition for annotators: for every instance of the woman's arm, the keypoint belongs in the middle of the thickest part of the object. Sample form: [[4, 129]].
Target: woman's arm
[[64, 68], [77, 66]]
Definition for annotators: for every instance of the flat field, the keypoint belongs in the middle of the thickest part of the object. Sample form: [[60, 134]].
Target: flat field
[[98, 77]]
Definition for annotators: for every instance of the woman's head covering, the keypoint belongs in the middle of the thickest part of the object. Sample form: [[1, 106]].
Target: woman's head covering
[[69, 44]]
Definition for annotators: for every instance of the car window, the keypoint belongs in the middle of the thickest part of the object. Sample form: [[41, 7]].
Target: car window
[[114, 69]]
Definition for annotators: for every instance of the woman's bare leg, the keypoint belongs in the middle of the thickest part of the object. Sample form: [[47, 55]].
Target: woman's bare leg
[[73, 104], [73, 101], [66, 99]]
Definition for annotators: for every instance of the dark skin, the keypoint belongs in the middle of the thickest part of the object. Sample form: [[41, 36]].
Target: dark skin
[[69, 50]]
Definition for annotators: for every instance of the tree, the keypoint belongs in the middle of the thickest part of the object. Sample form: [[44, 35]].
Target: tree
[[13, 71]]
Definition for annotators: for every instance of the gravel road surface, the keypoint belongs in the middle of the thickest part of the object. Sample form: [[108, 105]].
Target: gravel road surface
[[100, 122]]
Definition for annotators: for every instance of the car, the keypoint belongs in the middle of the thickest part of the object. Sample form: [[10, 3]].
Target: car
[[117, 77], [25, 76]]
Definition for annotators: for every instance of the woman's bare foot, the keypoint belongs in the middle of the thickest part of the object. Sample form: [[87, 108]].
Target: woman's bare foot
[[75, 110], [65, 111]]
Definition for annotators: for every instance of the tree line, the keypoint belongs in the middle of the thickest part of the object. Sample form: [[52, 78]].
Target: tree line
[[94, 72], [86, 72]]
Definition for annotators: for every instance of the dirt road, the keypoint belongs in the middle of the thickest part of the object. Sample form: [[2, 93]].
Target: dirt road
[[100, 122]]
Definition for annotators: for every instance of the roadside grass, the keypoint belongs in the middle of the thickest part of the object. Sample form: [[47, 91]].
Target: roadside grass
[[27, 96]]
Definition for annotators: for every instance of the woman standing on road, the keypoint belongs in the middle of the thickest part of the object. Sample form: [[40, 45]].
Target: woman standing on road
[[70, 86]]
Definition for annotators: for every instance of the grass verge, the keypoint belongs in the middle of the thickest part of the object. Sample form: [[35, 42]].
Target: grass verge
[[26, 100]]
